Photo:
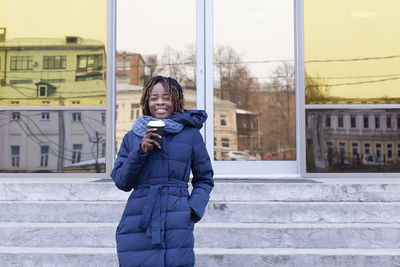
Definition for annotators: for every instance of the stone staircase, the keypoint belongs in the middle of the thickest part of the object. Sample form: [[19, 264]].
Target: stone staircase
[[72, 222]]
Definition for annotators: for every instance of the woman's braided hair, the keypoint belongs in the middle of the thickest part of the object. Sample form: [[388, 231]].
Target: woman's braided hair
[[171, 86]]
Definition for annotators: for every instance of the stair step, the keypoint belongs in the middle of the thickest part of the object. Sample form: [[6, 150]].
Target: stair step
[[205, 257], [216, 211], [261, 191], [273, 257], [224, 235]]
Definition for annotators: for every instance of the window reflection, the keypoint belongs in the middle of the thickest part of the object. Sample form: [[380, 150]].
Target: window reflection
[[353, 147], [52, 141], [166, 46], [351, 52], [254, 96]]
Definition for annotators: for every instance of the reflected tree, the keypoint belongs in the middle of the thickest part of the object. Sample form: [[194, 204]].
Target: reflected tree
[[317, 91]]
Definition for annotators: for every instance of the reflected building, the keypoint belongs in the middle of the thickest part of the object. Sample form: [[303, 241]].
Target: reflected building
[[52, 141], [248, 132], [130, 68], [66, 71], [353, 139]]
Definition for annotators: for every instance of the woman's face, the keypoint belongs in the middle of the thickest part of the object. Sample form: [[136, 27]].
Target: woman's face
[[160, 103]]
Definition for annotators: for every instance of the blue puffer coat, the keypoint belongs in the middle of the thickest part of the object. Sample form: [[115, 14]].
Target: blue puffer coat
[[156, 228]]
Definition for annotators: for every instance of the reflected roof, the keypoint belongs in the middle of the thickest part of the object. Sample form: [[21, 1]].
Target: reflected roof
[[74, 89], [49, 42]]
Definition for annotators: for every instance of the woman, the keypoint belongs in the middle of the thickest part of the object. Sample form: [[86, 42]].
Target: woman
[[156, 228]]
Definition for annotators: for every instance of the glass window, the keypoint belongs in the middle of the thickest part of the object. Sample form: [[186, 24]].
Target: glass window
[[388, 122], [328, 121], [340, 121], [15, 156], [76, 116], [346, 150], [223, 120], [366, 121], [225, 142], [45, 115], [367, 148], [389, 151], [40, 83], [340, 68], [165, 46], [377, 122], [15, 115], [76, 153], [48, 146], [353, 121], [54, 62], [254, 79], [342, 74], [44, 156]]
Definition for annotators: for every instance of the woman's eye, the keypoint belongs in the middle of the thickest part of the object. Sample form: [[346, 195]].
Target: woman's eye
[[153, 99]]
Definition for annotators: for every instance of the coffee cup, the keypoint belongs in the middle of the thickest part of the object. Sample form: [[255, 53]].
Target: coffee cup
[[159, 125]]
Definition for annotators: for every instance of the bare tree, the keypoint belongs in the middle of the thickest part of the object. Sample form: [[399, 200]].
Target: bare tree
[[234, 75], [152, 66], [316, 89]]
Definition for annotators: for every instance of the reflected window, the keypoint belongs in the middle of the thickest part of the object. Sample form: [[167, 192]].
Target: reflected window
[[328, 121], [103, 118], [377, 122], [388, 122], [367, 148], [366, 121], [54, 62], [76, 116], [45, 115], [15, 116], [340, 121], [103, 149], [15, 156], [398, 122], [44, 156], [398, 152], [354, 149], [135, 111], [389, 151], [378, 150], [225, 142], [223, 120], [21, 62], [353, 121], [76, 153]]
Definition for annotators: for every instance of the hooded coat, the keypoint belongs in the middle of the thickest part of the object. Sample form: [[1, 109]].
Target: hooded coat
[[156, 228]]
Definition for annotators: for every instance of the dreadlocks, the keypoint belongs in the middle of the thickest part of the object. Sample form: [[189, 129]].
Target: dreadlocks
[[171, 86]]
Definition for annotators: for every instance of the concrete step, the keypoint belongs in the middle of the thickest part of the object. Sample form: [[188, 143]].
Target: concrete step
[[277, 257], [212, 235], [223, 191], [224, 212], [206, 257]]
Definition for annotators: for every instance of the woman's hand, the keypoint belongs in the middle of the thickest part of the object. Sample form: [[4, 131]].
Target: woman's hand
[[148, 143]]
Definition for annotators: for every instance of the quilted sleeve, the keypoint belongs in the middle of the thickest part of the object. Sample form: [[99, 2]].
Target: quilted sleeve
[[202, 180], [128, 164]]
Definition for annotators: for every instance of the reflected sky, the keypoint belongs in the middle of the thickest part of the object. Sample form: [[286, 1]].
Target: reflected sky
[[354, 46]]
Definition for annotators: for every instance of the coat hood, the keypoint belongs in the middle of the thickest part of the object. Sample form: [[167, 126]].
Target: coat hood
[[193, 118]]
